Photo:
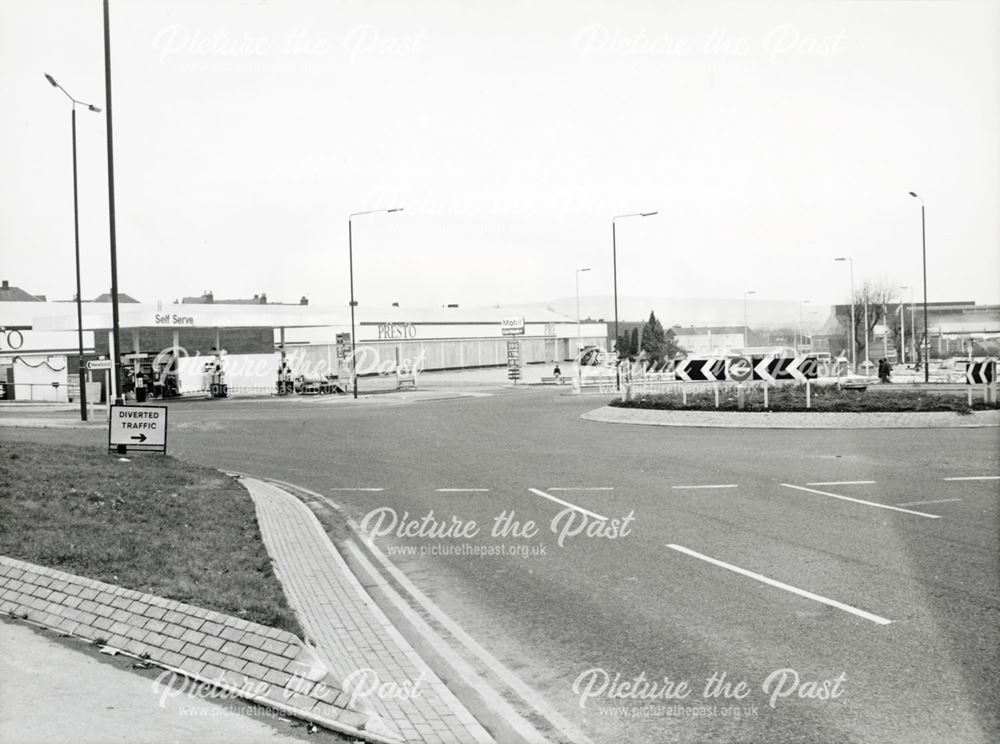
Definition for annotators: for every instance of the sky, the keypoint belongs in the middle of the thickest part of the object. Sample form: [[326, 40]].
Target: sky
[[770, 137]]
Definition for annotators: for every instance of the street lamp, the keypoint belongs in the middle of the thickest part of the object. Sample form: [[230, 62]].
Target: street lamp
[[927, 330], [745, 324], [854, 359], [801, 335], [614, 264], [350, 258], [76, 233], [578, 309]]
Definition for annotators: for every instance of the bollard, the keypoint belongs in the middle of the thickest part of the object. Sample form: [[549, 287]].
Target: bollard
[[766, 386], [684, 396], [808, 397], [740, 403], [716, 395]]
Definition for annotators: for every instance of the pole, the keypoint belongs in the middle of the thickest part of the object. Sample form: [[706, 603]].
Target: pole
[[81, 373], [927, 330], [614, 270], [744, 321], [854, 332], [116, 354], [866, 331], [578, 312], [354, 359], [902, 328]]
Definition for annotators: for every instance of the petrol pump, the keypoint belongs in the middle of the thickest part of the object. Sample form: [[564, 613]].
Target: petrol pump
[[285, 384], [218, 386]]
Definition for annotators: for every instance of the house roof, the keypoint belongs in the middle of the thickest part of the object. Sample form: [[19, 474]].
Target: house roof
[[122, 297], [16, 294]]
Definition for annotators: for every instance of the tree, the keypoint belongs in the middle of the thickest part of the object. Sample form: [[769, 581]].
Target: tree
[[653, 339], [633, 342], [876, 297]]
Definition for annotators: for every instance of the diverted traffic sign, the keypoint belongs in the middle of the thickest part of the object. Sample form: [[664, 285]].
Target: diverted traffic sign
[[980, 373], [96, 364], [141, 428]]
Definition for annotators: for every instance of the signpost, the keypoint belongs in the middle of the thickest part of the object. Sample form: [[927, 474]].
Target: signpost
[[96, 364], [140, 428], [513, 360]]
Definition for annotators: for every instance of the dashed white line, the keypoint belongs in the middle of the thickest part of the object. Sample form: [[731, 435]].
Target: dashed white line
[[780, 585], [721, 485], [461, 490], [974, 478], [862, 501], [841, 483], [583, 488], [558, 500], [932, 501]]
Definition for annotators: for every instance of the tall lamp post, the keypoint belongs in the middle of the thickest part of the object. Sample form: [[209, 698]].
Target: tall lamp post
[[354, 304], [614, 266], [927, 330], [902, 326], [578, 271], [76, 234], [854, 357], [745, 315], [802, 332]]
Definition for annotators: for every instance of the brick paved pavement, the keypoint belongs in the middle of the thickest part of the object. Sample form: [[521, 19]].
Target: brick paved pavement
[[350, 631]]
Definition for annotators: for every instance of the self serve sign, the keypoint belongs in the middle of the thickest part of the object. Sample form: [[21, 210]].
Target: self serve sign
[[139, 427]]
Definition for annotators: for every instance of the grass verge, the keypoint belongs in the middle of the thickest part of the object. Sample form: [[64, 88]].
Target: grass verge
[[153, 524], [823, 400]]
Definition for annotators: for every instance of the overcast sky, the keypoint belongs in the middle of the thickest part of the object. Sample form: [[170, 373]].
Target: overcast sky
[[771, 137]]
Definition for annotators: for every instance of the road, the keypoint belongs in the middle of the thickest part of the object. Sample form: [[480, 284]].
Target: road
[[762, 557]]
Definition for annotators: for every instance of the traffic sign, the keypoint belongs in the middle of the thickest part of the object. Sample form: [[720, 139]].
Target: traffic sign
[[980, 373], [774, 369], [96, 364], [739, 369], [700, 370], [142, 428]]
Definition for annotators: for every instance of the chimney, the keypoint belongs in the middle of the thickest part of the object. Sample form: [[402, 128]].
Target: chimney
[[209, 297], [6, 284], [303, 300], [263, 299]]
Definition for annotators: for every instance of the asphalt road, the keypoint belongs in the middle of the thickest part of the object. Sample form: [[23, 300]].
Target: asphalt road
[[885, 621]]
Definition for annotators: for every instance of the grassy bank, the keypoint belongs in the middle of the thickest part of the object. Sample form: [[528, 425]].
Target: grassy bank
[[153, 524], [823, 399]]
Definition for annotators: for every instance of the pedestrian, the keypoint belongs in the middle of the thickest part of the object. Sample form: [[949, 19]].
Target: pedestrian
[[557, 373]]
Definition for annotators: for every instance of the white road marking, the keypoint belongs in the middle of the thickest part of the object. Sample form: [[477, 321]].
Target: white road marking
[[357, 489], [461, 490], [584, 488], [788, 588], [721, 485], [862, 501], [933, 501], [841, 483], [558, 500], [974, 478]]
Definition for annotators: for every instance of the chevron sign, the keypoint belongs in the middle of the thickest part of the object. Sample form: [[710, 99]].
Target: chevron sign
[[980, 373], [773, 369], [700, 370]]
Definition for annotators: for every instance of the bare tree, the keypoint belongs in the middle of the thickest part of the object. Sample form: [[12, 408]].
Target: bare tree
[[877, 297]]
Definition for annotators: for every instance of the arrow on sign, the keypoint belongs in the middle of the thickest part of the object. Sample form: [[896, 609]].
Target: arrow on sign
[[803, 368], [681, 370], [141, 437], [979, 373], [762, 369]]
